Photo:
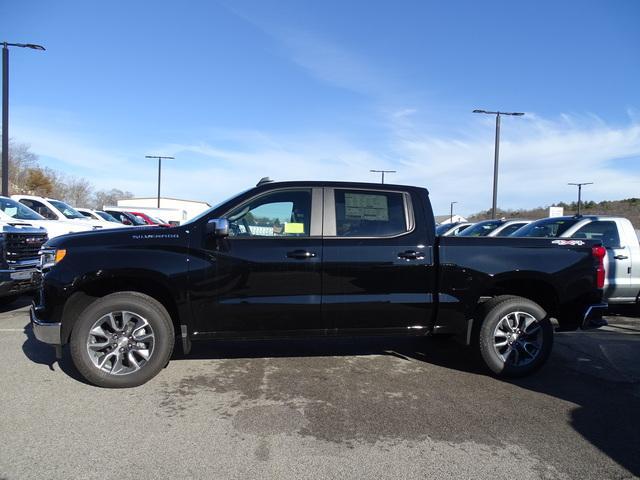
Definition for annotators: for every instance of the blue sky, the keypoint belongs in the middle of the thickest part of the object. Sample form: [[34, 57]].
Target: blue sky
[[237, 90]]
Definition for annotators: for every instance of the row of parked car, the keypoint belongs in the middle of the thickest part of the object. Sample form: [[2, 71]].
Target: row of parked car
[[27, 222], [622, 262], [58, 218]]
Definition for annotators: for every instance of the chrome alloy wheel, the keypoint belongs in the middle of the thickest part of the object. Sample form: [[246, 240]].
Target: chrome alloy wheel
[[120, 343], [517, 338]]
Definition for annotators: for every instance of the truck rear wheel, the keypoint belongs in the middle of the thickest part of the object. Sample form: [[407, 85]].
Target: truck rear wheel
[[515, 337], [122, 340]]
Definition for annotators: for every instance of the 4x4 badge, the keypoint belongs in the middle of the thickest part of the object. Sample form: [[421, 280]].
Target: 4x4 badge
[[568, 242]]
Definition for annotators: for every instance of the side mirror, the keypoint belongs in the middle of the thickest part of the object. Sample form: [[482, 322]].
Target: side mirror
[[218, 227]]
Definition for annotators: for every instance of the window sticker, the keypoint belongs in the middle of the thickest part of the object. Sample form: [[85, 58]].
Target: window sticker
[[359, 206], [290, 227]]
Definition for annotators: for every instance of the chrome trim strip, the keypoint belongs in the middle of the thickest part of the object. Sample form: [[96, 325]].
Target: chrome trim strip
[[316, 212]]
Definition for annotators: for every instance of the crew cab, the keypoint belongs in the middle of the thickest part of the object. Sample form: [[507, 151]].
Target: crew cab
[[622, 261], [308, 258]]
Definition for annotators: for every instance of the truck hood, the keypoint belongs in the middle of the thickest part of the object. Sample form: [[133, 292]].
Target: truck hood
[[125, 236]]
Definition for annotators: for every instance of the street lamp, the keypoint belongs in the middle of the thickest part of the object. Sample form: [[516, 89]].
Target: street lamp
[[383, 172], [579, 185], [160, 158], [497, 153], [451, 218], [5, 109]]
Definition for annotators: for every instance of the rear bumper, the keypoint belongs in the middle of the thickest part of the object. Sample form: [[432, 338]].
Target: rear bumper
[[44, 331], [593, 316], [15, 282]]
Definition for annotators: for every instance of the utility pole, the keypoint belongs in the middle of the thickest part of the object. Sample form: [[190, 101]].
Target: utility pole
[[383, 172], [160, 158], [497, 154], [451, 218], [5, 109], [579, 185]]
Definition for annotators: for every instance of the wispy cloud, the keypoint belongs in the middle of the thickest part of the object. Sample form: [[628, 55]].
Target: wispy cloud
[[538, 157]]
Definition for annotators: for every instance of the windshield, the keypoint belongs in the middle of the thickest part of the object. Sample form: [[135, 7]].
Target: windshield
[[106, 216], [66, 210], [208, 211], [17, 210], [481, 229], [547, 228]]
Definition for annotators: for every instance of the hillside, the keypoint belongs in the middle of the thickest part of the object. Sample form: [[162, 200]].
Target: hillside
[[629, 208]]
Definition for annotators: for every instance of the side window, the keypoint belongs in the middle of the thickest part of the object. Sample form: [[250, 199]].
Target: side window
[[361, 213], [39, 207], [508, 230], [285, 213], [605, 231]]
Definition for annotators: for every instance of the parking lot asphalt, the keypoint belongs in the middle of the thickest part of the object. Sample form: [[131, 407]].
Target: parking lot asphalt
[[326, 408]]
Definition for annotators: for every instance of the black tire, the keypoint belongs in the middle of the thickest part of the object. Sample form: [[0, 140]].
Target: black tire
[[151, 310], [493, 312], [8, 300]]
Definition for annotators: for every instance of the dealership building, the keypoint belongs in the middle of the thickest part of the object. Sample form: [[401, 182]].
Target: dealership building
[[173, 210]]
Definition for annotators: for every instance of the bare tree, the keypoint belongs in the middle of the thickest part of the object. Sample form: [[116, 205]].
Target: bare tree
[[21, 161], [109, 197], [78, 192]]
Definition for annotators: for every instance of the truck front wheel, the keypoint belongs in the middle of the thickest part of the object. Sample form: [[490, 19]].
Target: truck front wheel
[[515, 337], [122, 340]]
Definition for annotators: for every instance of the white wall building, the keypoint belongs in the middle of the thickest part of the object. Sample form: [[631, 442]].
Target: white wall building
[[171, 209], [440, 219]]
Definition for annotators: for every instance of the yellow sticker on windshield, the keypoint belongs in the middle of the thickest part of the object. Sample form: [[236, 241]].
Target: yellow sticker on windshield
[[294, 228]]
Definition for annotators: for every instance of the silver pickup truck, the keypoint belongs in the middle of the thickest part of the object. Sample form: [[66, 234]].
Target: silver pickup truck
[[622, 262]]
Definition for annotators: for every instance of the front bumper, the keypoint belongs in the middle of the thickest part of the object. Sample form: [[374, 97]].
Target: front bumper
[[44, 331], [15, 282], [593, 316]]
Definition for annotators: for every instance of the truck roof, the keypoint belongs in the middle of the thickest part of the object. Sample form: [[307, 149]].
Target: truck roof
[[339, 184]]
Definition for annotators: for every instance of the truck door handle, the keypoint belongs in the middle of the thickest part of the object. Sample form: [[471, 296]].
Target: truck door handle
[[620, 257], [300, 254], [411, 255]]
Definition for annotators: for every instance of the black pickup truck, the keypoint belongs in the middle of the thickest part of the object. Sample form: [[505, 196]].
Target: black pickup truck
[[309, 258]]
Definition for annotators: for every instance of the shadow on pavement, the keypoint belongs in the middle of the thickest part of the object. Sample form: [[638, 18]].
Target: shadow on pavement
[[606, 413], [42, 354], [21, 302]]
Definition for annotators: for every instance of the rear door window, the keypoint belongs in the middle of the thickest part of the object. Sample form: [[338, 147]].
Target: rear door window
[[509, 229], [363, 213], [40, 208], [605, 231]]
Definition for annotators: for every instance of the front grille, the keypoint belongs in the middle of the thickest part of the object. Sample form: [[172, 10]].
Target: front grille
[[23, 247]]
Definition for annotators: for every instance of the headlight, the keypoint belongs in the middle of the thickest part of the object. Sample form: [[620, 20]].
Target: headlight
[[48, 258]]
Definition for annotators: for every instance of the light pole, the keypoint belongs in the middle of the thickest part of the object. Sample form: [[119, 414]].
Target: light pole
[[160, 158], [451, 218], [497, 154], [579, 185], [5, 109], [383, 172]]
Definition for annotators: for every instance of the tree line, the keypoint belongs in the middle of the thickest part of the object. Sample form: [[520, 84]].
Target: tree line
[[628, 208], [28, 177]]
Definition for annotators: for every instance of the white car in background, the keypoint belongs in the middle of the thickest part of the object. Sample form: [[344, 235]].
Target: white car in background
[[98, 215], [15, 213], [57, 210]]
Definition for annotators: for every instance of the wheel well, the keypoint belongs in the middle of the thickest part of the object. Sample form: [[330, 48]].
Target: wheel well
[[536, 290], [81, 299]]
